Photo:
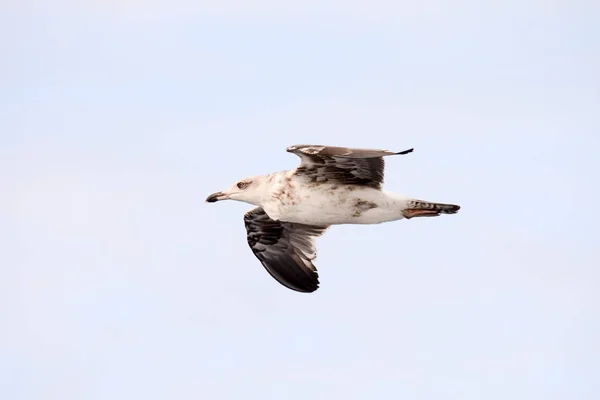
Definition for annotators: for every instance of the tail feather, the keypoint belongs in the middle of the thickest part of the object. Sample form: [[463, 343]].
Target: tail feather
[[420, 208]]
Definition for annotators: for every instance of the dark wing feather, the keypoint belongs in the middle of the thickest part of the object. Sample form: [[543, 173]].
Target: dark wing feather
[[342, 164], [285, 249]]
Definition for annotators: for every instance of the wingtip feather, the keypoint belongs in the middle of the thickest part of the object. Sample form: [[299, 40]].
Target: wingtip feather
[[405, 151]]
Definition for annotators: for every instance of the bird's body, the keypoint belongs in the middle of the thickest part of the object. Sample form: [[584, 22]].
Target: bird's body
[[332, 186], [287, 198]]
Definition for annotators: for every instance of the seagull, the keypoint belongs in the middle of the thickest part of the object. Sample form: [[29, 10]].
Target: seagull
[[331, 186]]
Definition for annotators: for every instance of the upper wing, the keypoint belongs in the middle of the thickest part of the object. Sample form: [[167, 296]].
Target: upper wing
[[342, 164], [285, 249]]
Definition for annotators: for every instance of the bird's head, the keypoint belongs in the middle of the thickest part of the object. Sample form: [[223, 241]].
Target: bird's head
[[248, 190]]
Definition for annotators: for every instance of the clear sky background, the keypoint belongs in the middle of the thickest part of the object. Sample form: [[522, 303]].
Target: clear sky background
[[118, 118]]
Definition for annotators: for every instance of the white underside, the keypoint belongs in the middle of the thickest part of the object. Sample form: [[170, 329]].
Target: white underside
[[328, 204]]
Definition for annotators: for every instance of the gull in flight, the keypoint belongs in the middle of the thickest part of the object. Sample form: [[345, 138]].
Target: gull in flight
[[331, 186]]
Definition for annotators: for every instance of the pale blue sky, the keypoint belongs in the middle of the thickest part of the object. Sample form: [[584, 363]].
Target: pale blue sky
[[117, 119]]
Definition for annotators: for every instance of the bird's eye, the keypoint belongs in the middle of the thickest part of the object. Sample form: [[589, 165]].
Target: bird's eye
[[242, 185]]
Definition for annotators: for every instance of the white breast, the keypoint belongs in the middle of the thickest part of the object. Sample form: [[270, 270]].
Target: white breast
[[323, 204]]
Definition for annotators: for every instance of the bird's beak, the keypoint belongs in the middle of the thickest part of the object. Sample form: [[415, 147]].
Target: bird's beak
[[216, 197]]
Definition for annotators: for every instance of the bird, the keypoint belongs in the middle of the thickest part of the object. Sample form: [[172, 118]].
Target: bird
[[331, 186]]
